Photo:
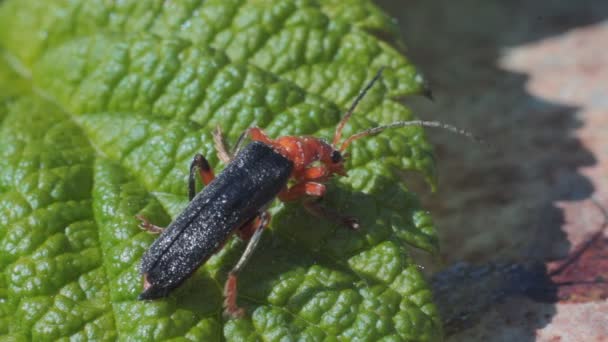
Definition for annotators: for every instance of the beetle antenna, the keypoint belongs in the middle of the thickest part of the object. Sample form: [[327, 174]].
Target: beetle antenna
[[421, 123], [350, 111]]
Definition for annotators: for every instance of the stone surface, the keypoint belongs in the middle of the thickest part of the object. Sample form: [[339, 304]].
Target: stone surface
[[532, 79]]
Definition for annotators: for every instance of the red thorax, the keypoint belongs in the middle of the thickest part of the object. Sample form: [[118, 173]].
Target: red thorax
[[313, 158]]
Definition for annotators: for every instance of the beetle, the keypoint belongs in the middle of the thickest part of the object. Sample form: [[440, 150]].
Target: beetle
[[289, 167]]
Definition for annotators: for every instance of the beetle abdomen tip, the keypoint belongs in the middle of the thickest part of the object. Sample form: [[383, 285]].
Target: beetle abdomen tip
[[153, 292]]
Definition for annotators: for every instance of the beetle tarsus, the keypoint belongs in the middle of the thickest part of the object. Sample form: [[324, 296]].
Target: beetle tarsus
[[351, 222], [147, 226], [231, 308], [220, 145]]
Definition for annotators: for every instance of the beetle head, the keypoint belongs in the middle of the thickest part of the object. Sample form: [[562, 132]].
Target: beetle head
[[334, 161]]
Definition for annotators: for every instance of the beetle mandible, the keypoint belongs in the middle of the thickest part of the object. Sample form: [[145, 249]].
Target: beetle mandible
[[289, 167]]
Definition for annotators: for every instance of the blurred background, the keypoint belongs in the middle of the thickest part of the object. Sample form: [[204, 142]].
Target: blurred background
[[530, 77]]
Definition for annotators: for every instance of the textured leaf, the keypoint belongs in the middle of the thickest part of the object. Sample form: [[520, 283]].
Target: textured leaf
[[104, 103]]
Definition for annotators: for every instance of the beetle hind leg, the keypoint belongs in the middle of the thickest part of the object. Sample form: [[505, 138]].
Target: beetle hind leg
[[231, 308], [248, 229]]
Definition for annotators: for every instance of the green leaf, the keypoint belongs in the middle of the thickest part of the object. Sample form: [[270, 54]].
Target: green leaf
[[102, 105]]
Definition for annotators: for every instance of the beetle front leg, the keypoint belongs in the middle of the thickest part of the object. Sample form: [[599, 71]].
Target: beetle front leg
[[200, 164], [302, 189], [231, 307]]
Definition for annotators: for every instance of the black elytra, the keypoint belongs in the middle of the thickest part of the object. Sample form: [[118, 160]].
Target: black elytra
[[236, 196]]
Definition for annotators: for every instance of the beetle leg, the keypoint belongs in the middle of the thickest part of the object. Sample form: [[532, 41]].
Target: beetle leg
[[255, 133], [299, 190], [220, 146], [231, 307], [316, 173], [248, 229], [317, 209], [147, 226], [258, 135], [200, 164], [312, 205]]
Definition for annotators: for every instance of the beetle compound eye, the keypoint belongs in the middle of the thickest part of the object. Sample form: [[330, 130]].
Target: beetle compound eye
[[336, 157]]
